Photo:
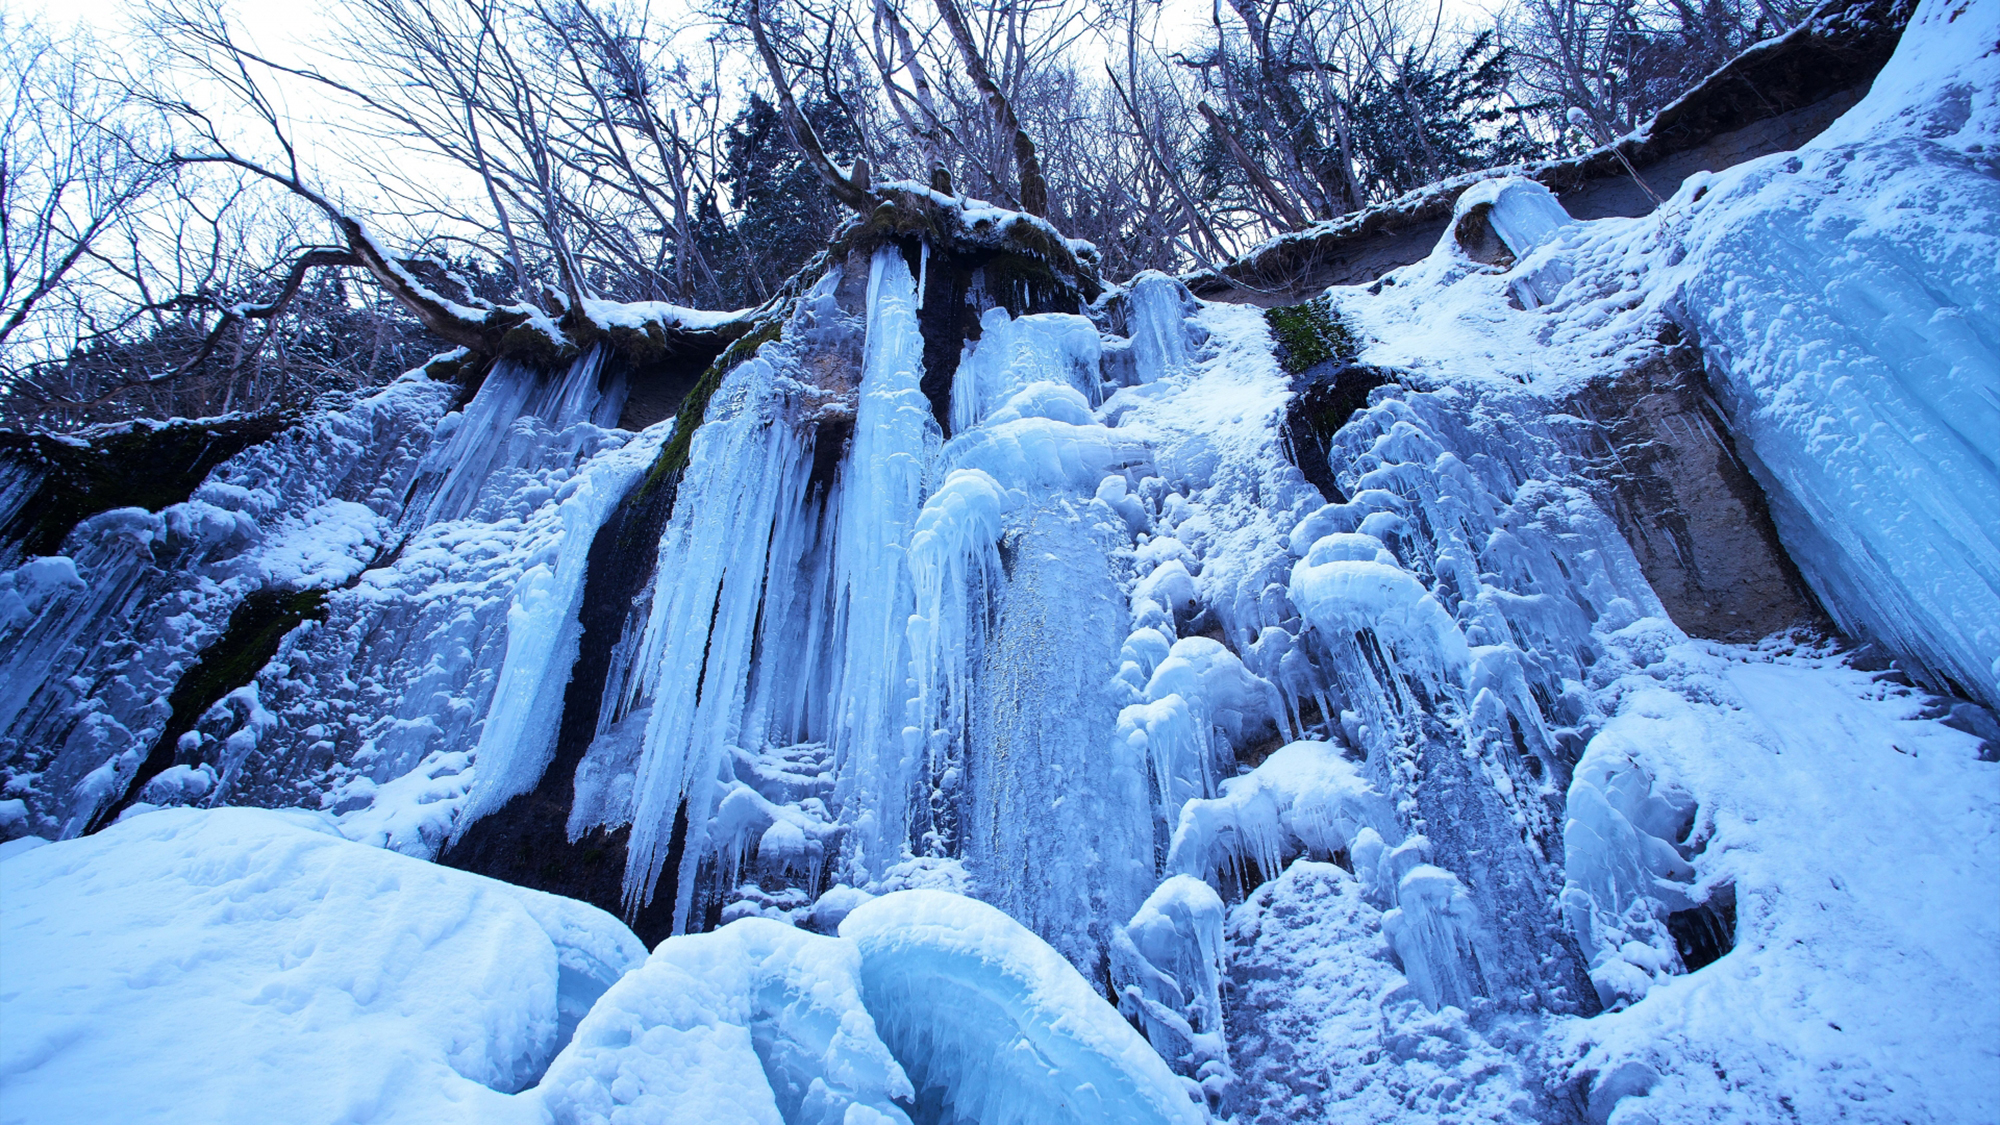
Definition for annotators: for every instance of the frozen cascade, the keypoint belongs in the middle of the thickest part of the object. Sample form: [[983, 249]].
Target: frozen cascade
[[881, 495], [1010, 661], [1402, 802], [747, 465], [1056, 828], [342, 714], [381, 707], [1160, 340], [1013, 352], [93, 639]]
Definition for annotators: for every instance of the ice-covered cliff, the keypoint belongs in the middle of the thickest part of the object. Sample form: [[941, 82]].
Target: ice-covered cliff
[[1547, 684]]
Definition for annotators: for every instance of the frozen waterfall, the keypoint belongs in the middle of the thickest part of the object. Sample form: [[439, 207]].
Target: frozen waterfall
[[1080, 709]]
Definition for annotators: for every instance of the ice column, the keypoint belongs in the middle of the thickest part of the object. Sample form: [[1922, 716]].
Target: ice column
[[895, 440], [1158, 321]]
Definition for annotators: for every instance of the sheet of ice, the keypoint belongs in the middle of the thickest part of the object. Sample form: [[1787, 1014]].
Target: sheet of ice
[[1162, 345], [248, 965], [994, 1026], [1523, 213], [505, 426], [1846, 298]]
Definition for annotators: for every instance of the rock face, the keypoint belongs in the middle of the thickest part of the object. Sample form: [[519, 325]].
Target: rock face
[[1696, 519]]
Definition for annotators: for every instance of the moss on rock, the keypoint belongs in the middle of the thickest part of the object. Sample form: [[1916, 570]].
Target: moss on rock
[[1310, 334]]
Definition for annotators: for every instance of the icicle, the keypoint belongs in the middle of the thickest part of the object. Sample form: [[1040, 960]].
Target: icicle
[[695, 659]]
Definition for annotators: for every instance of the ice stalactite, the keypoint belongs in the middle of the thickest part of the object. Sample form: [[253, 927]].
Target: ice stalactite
[[1167, 966], [955, 568]]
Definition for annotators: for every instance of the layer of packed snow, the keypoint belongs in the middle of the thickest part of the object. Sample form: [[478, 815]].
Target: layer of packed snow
[[253, 965], [1858, 841]]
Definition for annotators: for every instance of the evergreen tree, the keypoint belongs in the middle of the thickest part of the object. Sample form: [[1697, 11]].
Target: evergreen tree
[[1426, 118], [783, 213]]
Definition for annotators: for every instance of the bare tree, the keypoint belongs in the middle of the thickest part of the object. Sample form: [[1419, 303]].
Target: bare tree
[[74, 160], [1622, 61]]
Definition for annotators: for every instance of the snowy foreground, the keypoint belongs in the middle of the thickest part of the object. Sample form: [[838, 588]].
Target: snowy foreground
[[1089, 763]]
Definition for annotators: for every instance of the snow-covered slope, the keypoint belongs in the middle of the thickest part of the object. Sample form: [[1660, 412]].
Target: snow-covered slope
[[1316, 718]]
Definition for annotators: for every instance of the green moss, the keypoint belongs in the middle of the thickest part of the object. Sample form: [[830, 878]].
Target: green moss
[[249, 643], [1310, 334], [454, 366]]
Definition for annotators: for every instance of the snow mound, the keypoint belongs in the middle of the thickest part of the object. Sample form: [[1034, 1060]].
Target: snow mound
[[995, 1026], [253, 965], [756, 1022]]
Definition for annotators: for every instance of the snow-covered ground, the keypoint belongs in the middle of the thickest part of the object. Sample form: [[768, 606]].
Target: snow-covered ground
[[1405, 802]]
